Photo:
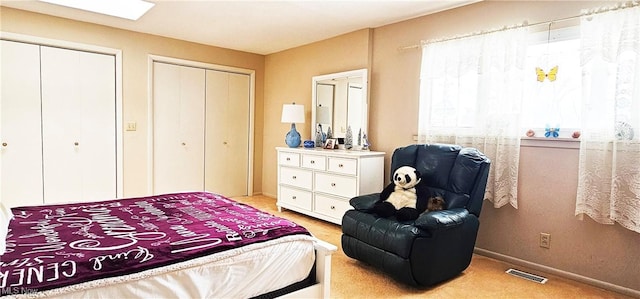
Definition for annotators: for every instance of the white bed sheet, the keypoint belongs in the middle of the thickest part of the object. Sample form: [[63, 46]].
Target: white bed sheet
[[238, 273]]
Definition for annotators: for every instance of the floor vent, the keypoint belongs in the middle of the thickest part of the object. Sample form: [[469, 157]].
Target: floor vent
[[527, 276]]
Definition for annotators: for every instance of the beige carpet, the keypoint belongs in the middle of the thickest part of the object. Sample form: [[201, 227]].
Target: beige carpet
[[485, 277]]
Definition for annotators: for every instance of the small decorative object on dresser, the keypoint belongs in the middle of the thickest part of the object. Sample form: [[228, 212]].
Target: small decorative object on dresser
[[330, 144], [365, 142], [319, 183], [309, 144], [348, 139], [320, 136]]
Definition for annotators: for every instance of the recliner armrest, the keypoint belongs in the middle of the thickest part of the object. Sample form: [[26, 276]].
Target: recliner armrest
[[364, 203], [441, 220]]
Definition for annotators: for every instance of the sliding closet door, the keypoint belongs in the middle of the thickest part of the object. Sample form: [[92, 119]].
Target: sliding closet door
[[79, 125], [178, 128], [227, 133], [20, 142]]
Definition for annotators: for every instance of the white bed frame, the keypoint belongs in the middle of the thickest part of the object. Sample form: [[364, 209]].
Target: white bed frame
[[322, 288]]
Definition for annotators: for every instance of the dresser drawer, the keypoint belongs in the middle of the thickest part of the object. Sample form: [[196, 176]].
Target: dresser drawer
[[336, 184], [289, 159], [332, 207], [342, 165], [295, 197], [313, 162], [296, 177]]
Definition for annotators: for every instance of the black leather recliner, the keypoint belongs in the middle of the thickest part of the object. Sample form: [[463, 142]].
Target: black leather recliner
[[439, 244]]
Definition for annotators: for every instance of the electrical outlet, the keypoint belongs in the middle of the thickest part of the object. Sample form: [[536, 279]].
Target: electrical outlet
[[545, 240]]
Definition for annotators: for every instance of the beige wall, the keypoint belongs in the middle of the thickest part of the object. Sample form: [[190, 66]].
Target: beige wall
[[548, 176], [135, 50], [288, 79], [546, 203]]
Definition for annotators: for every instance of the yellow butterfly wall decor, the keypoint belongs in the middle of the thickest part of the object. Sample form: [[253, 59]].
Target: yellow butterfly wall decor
[[551, 75]]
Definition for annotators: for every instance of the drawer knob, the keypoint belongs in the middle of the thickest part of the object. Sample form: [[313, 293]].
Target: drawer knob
[[294, 177], [340, 165], [4, 144], [333, 207], [288, 159], [293, 197], [333, 184], [313, 162]]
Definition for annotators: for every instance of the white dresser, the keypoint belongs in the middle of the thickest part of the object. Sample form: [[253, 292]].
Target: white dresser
[[320, 182]]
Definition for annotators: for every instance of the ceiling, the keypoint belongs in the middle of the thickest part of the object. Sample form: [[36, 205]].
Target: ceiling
[[261, 27]]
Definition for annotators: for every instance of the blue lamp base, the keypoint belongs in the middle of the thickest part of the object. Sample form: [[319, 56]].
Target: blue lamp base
[[293, 137]]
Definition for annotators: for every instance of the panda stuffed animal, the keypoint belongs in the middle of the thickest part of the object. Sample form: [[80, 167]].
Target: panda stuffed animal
[[405, 198]]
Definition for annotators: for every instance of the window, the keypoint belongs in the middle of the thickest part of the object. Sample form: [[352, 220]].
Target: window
[[552, 93], [455, 110], [470, 94], [551, 97], [511, 84]]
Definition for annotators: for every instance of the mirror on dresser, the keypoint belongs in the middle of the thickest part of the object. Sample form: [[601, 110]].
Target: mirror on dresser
[[340, 100]]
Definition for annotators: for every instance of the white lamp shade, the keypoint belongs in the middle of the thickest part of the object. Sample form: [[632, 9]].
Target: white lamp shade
[[292, 113]]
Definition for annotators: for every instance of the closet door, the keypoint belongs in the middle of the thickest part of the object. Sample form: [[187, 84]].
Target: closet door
[[79, 125], [178, 128], [227, 133], [20, 136]]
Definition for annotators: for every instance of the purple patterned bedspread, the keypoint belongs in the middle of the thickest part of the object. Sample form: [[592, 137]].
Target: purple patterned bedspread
[[60, 245]]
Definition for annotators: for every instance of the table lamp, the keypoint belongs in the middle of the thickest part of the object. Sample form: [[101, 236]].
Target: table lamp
[[292, 113]]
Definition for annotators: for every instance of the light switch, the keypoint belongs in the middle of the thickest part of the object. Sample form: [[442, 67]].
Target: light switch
[[131, 126]]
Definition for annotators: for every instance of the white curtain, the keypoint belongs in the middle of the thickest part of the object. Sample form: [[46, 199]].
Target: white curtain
[[609, 169], [471, 93]]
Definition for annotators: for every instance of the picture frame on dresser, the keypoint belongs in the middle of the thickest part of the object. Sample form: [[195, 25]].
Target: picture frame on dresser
[[320, 183], [331, 143]]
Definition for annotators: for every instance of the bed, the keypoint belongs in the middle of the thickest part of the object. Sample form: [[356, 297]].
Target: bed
[[180, 245]]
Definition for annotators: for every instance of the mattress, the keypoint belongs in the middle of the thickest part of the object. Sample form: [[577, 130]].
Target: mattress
[[256, 265]]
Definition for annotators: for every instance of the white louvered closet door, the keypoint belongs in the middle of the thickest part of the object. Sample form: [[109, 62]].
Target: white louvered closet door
[[79, 125], [227, 133], [178, 128], [20, 135]]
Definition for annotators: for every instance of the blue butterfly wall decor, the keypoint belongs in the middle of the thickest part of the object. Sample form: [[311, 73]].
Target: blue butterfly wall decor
[[551, 132]]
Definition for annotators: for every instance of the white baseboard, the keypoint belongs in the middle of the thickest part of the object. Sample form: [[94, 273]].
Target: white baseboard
[[557, 272]]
